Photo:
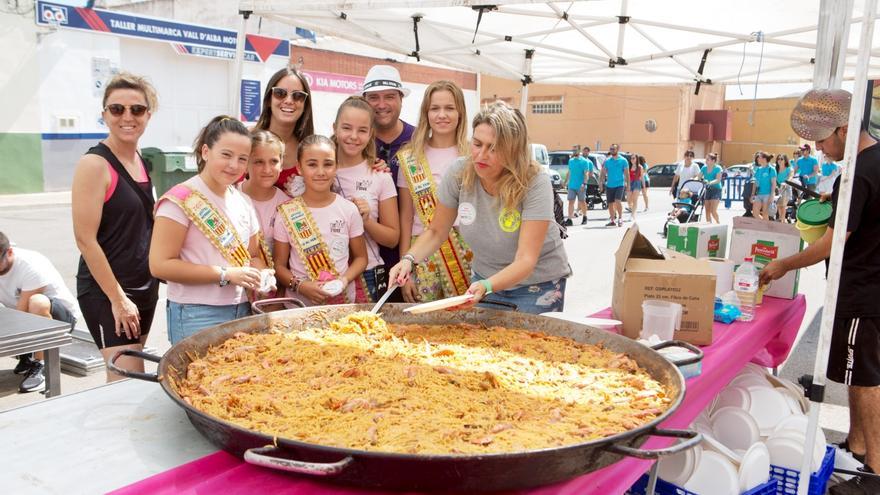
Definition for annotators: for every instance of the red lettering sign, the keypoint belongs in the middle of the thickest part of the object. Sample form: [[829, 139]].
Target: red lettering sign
[[766, 251]]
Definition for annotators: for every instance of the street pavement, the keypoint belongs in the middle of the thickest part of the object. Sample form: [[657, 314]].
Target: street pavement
[[42, 222]]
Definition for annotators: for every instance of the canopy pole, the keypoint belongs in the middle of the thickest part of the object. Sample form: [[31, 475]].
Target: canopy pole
[[621, 28], [816, 389], [832, 34], [526, 80], [238, 66]]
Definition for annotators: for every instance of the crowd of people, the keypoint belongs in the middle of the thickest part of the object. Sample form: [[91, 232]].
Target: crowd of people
[[625, 177], [278, 210]]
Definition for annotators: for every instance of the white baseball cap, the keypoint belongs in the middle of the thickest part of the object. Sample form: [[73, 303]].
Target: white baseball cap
[[382, 77]]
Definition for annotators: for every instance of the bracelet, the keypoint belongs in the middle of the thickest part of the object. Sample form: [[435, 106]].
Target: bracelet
[[294, 284], [411, 258], [487, 285]]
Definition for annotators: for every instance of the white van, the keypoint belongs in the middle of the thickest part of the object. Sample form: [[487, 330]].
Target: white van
[[542, 156]]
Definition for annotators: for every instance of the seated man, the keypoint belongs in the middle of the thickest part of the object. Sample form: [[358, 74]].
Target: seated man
[[29, 282]]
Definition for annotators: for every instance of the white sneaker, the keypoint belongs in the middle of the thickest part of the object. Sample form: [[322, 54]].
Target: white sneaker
[[843, 459]]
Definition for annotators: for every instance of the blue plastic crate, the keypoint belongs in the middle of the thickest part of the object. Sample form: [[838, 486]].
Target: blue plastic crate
[[667, 488], [788, 478]]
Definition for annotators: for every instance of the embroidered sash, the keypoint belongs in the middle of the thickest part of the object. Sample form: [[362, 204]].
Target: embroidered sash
[[454, 251], [306, 237], [211, 222], [265, 252]]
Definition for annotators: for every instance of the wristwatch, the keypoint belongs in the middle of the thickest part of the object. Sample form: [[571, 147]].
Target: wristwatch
[[223, 281]]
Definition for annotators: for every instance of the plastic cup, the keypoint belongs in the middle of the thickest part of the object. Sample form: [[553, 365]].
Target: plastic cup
[[660, 318]]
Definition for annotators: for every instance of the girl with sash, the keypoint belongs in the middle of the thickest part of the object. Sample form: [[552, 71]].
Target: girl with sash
[[264, 167], [439, 139], [505, 206], [319, 241], [373, 193], [112, 204], [206, 242]]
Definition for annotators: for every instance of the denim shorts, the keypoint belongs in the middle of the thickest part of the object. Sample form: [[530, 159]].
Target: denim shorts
[[187, 319], [713, 194], [576, 193], [762, 198], [635, 185], [614, 194], [535, 299]]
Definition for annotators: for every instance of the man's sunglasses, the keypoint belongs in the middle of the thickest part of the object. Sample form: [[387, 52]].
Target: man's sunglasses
[[117, 109], [295, 95]]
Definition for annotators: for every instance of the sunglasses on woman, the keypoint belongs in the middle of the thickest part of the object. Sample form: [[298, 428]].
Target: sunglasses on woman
[[295, 95], [117, 109]]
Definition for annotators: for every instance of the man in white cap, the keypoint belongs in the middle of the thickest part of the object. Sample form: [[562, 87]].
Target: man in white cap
[[384, 91], [822, 116]]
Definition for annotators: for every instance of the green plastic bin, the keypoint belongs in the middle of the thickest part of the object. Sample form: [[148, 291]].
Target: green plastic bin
[[169, 167]]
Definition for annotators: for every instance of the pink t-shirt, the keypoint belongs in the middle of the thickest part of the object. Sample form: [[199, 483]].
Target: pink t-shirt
[[360, 181], [440, 160], [339, 222], [197, 249], [266, 211]]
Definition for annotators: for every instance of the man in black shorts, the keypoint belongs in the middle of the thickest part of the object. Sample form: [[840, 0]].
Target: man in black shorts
[[29, 282], [822, 116]]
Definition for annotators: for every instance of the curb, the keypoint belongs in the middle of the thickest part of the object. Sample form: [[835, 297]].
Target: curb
[[59, 198]]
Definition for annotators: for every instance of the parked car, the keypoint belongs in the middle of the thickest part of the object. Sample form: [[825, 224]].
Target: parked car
[[741, 170], [559, 162], [661, 175]]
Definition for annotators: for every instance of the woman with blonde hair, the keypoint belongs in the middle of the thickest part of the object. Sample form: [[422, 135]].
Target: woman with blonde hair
[[505, 208], [439, 139], [112, 205]]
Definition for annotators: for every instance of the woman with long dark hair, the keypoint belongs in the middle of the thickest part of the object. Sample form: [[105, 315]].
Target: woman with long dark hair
[[287, 113]]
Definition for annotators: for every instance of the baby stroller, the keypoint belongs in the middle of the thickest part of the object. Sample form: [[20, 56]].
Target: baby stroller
[[793, 189], [690, 210], [593, 194]]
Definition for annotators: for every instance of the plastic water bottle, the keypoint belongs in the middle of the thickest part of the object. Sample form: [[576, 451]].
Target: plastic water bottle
[[745, 283]]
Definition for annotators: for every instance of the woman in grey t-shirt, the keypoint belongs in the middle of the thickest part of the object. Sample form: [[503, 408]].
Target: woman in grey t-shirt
[[504, 205]]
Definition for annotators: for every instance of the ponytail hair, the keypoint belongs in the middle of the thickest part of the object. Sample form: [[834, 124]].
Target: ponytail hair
[[209, 135], [359, 102], [313, 140], [260, 137]]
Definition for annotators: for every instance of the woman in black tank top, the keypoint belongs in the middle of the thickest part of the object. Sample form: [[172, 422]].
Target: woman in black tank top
[[112, 203]]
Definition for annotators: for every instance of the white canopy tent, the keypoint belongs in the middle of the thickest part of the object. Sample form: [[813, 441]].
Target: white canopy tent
[[586, 41], [625, 42]]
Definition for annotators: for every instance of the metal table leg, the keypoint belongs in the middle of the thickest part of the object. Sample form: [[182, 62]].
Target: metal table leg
[[652, 480], [52, 371]]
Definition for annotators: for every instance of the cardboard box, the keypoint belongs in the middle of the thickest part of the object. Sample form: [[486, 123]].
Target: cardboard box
[[766, 241], [643, 272], [700, 240]]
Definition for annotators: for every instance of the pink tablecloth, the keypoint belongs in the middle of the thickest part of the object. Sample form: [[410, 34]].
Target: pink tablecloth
[[766, 341]]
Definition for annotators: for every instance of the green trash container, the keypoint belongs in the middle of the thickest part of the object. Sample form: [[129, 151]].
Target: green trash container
[[169, 167]]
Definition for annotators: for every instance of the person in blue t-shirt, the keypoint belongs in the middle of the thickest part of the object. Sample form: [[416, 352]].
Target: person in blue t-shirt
[[829, 170], [765, 186], [579, 169], [808, 168], [616, 180], [784, 172], [712, 173]]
